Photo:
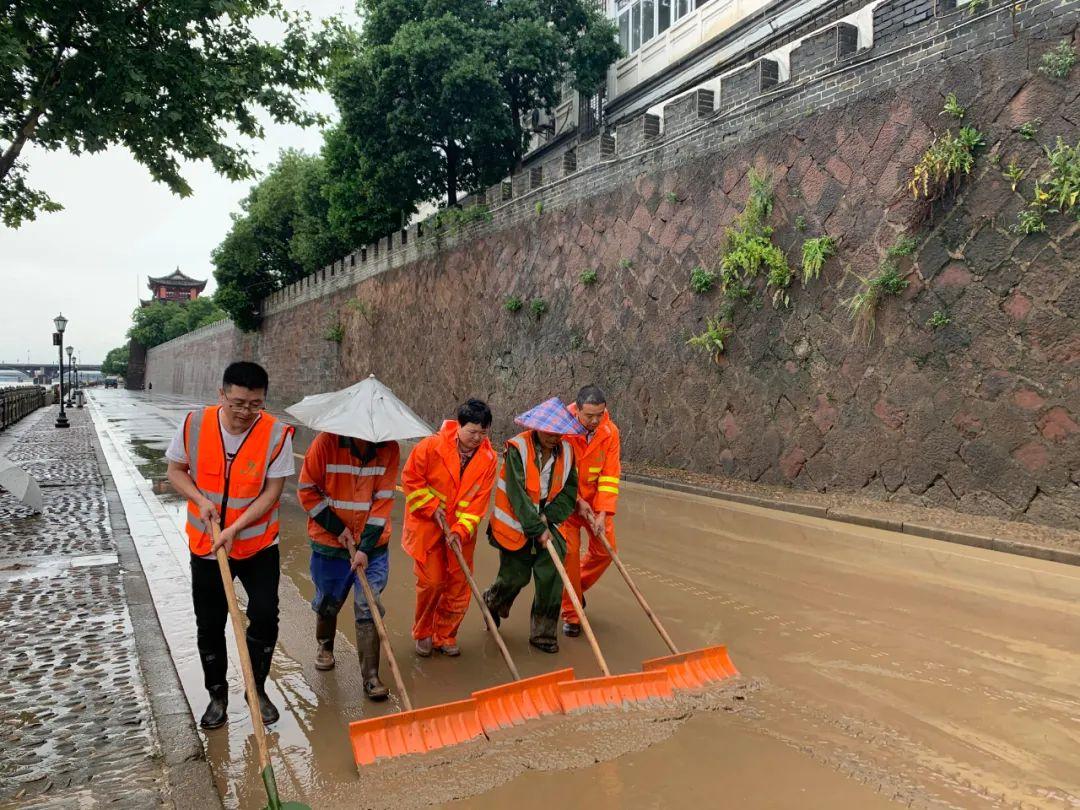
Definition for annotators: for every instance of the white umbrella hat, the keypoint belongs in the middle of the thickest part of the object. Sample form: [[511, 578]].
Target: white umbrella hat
[[20, 484], [367, 410]]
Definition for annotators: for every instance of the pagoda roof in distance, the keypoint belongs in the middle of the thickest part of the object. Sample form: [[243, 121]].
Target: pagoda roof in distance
[[175, 279]]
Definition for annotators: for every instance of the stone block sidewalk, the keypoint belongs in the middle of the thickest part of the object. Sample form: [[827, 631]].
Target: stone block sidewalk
[[80, 669]]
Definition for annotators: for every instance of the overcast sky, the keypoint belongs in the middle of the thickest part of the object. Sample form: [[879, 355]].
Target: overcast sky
[[92, 259]]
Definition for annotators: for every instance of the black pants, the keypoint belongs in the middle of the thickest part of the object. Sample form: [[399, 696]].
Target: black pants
[[259, 575]]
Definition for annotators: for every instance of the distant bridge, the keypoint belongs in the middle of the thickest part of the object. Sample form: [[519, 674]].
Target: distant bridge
[[51, 370]]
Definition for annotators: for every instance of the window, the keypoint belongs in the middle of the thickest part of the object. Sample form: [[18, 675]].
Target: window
[[648, 20], [624, 32], [663, 16], [682, 8], [635, 26]]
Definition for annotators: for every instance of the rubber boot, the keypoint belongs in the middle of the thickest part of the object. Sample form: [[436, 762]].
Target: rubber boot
[[367, 648], [261, 655], [216, 714], [542, 631], [325, 631]]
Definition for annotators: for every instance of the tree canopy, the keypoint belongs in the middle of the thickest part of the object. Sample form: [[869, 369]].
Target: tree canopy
[[165, 320], [170, 80], [116, 361], [432, 102], [281, 234]]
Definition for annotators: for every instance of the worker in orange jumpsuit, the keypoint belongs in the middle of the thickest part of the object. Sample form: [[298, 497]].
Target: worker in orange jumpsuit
[[447, 481], [598, 466], [347, 488]]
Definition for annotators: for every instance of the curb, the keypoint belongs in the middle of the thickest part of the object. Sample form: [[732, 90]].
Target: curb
[[913, 527], [183, 758]]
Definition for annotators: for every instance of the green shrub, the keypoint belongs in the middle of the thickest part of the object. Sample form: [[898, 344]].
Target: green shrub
[[1014, 174], [588, 277], [862, 305], [671, 197], [1060, 188], [513, 304], [335, 333], [905, 245], [702, 280], [625, 264], [815, 252], [938, 320], [712, 339], [1059, 61], [1030, 221], [953, 107], [749, 249], [947, 160], [454, 219], [539, 307], [800, 223], [362, 308], [539, 207], [1029, 129]]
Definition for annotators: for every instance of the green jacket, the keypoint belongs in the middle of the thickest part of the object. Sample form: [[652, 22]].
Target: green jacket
[[556, 511]]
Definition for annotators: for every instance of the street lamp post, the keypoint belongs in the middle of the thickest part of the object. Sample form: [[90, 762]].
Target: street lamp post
[[78, 390], [58, 338], [70, 376]]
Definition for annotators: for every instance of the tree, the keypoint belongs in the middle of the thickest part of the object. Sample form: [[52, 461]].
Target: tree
[[168, 80], [281, 234], [165, 320], [116, 362], [432, 103]]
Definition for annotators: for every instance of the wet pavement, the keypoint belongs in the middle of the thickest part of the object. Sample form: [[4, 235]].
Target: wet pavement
[[75, 719], [878, 668]]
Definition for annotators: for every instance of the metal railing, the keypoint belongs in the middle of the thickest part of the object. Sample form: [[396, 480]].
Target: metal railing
[[19, 401]]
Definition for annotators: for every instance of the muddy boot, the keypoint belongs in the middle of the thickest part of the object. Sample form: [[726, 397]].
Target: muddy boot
[[498, 612], [216, 715], [542, 633], [260, 668], [367, 648], [325, 631], [423, 647], [571, 629], [451, 650]]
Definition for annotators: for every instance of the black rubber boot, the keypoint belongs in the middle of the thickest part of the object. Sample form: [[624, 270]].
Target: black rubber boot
[[571, 629], [367, 649], [542, 633], [261, 656], [216, 714], [325, 631]]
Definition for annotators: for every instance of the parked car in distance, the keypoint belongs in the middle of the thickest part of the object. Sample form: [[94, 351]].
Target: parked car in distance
[[112, 382]]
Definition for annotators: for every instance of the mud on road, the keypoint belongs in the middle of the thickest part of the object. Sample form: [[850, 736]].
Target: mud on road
[[879, 668]]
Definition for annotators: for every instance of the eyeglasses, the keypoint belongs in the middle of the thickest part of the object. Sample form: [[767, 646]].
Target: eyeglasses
[[243, 405]]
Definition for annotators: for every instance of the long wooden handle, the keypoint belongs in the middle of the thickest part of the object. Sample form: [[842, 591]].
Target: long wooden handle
[[550, 546], [641, 599], [241, 646], [488, 620], [380, 628]]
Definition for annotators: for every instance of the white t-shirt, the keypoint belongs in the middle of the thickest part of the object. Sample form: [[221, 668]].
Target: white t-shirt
[[281, 467], [545, 477]]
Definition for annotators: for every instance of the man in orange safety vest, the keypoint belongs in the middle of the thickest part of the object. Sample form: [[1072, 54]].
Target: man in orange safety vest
[[447, 481]]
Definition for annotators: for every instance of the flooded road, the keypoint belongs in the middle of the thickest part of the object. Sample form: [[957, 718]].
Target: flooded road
[[878, 668]]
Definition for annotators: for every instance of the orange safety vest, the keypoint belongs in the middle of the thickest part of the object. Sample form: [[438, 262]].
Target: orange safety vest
[[599, 464], [504, 525], [432, 477], [233, 489]]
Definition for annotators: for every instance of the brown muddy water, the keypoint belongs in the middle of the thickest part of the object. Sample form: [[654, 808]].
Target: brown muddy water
[[879, 668]]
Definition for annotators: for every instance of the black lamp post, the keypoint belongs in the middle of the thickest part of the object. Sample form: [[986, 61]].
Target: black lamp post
[[58, 338], [78, 391], [70, 376]]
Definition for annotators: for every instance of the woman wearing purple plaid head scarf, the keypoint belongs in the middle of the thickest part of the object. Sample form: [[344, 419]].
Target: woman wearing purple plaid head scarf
[[537, 491]]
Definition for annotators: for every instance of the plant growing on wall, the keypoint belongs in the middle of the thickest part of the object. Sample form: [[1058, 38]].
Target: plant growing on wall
[[800, 224], [862, 305], [1014, 174], [335, 333], [815, 252], [454, 219], [712, 339], [1059, 61], [671, 197], [702, 280], [513, 304], [539, 307], [1029, 129], [749, 249], [938, 320], [588, 277], [904, 245], [945, 163], [625, 264], [363, 309], [1057, 190], [953, 107], [539, 207]]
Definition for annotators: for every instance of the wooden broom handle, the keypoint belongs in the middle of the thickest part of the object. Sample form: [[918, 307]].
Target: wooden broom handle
[[577, 606], [488, 619], [380, 628], [241, 646], [641, 599]]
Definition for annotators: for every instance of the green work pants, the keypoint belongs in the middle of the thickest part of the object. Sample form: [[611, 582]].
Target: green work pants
[[515, 569]]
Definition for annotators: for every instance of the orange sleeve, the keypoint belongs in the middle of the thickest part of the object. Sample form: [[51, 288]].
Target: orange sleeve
[[420, 501], [469, 512], [607, 488], [311, 488]]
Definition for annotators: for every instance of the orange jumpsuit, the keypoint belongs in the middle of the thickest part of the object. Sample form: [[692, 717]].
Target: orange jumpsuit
[[433, 477], [598, 484]]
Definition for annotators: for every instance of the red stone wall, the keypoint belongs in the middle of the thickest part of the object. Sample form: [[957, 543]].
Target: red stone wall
[[981, 415]]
